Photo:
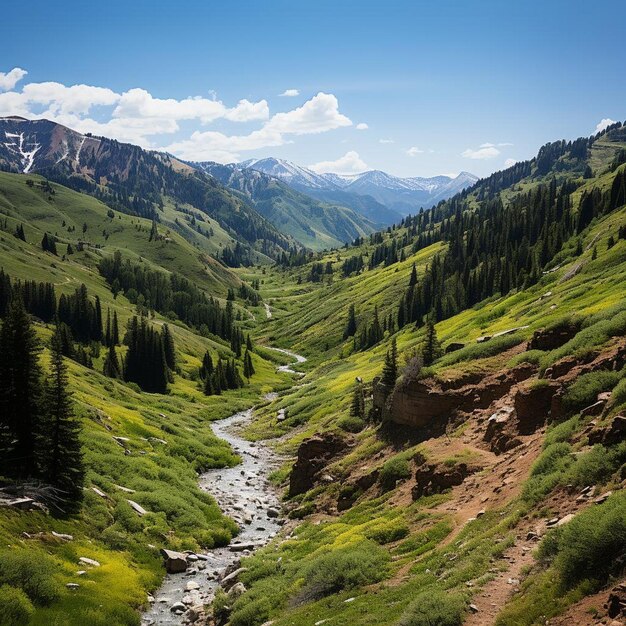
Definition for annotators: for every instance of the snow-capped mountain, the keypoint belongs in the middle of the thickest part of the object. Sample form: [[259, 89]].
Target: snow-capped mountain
[[401, 195]]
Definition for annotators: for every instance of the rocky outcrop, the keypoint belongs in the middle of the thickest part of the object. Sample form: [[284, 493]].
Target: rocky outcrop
[[551, 338], [569, 368], [610, 435], [616, 603], [501, 430], [427, 402], [313, 456], [532, 406], [431, 478]]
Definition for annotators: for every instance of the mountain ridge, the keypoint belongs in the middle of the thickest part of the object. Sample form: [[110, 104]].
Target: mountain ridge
[[401, 195]]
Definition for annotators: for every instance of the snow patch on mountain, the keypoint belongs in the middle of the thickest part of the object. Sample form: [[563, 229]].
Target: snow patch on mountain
[[19, 146]]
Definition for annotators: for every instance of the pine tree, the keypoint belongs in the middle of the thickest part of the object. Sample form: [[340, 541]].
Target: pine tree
[[390, 368], [206, 369], [432, 347], [20, 390], [154, 233], [168, 347], [19, 232], [111, 367], [248, 368], [59, 451], [351, 325], [357, 408], [413, 278], [115, 331], [249, 347]]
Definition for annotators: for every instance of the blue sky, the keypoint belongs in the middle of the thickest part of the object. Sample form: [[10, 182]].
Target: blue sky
[[413, 88]]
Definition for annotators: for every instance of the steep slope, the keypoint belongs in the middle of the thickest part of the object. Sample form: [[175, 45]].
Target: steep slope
[[142, 451], [130, 179], [400, 195], [512, 439], [314, 224]]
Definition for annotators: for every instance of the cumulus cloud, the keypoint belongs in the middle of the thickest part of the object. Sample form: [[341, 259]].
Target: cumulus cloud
[[349, 163], [362, 126], [290, 93], [139, 117], [485, 151], [603, 123], [8, 80], [317, 115], [414, 151], [386, 141]]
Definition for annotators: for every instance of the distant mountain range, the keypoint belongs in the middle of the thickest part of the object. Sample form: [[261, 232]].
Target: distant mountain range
[[400, 196], [268, 205], [312, 222]]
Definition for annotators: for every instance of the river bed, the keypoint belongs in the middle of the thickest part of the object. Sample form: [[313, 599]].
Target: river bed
[[243, 493]]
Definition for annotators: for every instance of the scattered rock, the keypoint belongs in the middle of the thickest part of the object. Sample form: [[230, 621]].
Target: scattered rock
[[88, 561], [137, 508], [178, 607], [62, 536], [72, 586], [175, 562], [236, 590]]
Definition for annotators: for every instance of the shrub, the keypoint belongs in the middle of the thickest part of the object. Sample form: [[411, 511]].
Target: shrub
[[547, 471], [584, 391], [392, 531], [345, 568], [351, 424], [618, 397], [592, 546], [434, 607], [392, 471], [481, 350], [33, 573], [252, 614], [15, 607]]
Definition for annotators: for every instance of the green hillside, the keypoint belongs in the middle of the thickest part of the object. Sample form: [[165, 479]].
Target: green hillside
[[137, 446], [372, 549]]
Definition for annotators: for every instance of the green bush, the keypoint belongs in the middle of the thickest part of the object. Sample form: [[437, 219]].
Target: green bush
[[618, 397], [584, 391], [547, 471], [481, 350], [15, 607], [392, 471], [33, 573], [392, 531], [434, 607], [351, 424], [592, 546], [344, 568], [252, 614]]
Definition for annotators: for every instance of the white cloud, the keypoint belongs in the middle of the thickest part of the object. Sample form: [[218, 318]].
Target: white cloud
[[386, 141], [138, 117], [414, 151], [602, 124], [290, 93], [510, 163], [362, 126], [349, 163], [317, 115], [485, 151], [8, 80]]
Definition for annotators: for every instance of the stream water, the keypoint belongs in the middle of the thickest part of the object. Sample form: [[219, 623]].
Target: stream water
[[243, 493]]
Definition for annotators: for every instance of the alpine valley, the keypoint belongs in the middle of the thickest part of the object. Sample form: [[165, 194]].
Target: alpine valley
[[252, 394]]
